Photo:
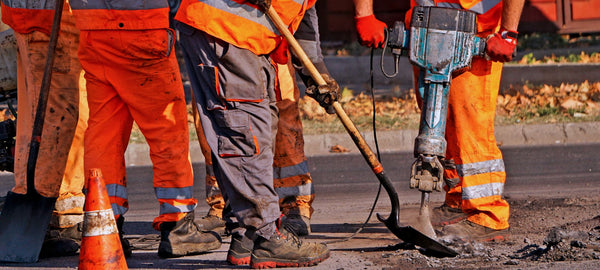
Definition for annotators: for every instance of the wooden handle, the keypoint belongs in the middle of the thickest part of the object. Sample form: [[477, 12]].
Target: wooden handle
[[314, 73], [295, 46]]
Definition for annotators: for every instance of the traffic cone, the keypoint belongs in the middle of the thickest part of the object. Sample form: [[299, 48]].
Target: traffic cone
[[100, 244]]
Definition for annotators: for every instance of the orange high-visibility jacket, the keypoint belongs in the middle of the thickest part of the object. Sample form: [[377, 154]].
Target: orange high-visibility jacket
[[120, 15], [488, 12], [26, 16], [240, 23]]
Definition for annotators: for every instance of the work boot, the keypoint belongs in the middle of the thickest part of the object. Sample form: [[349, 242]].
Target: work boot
[[284, 249], [240, 249], [60, 242], [211, 223], [297, 224], [445, 215], [184, 237], [124, 242], [469, 231]]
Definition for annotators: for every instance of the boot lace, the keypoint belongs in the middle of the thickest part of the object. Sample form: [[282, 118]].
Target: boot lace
[[288, 235]]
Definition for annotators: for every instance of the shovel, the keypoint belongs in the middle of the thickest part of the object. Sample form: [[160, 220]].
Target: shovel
[[25, 217], [405, 233]]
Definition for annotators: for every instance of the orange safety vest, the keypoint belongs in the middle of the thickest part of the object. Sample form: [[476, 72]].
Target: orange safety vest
[[120, 15], [488, 12], [26, 16], [240, 23]]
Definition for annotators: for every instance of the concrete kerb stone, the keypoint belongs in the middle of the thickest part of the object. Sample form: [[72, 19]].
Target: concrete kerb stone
[[403, 140], [353, 72]]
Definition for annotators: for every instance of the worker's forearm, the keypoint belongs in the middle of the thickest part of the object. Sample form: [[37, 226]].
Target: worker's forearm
[[363, 8], [511, 13]]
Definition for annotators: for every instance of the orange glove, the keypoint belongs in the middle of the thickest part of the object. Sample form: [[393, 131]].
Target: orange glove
[[501, 46], [281, 54], [371, 31]]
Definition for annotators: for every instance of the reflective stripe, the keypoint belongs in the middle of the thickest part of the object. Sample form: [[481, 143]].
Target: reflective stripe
[[425, 3], [116, 190], [289, 171], [450, 5], [481, 191], [488, 166], [212, 191], [166, 208], [303, 190], [174, 193], [452, 182], [479, 8], [119, 5], [118, 209], [30, 4], [94, 223], [484, 6], [69, 203], [244, 11]]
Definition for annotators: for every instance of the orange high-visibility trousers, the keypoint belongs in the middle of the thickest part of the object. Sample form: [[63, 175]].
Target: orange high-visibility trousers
[[68, 210], [477, 182], [59, 168], [62, 109], [291, 178], [134, 76]]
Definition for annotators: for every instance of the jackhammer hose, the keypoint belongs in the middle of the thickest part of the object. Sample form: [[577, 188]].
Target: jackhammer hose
[[396, 59]]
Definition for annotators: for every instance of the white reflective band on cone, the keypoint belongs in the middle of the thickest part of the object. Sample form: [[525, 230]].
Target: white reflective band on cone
[[100, 222]]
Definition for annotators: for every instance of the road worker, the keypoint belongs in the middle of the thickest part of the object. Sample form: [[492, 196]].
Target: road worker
[[227, 47], [292, 180], [59, 168], [474, 208], [132, 75]]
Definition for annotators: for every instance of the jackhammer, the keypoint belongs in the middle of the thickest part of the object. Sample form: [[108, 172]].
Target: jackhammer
[[406, 233], [440, 42]]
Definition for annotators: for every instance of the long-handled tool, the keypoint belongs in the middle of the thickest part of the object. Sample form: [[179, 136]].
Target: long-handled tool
[[25, 217], [441, 41], [405, 233]]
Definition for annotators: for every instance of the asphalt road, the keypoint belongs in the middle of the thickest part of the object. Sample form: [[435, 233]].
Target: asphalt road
[[345, 190]]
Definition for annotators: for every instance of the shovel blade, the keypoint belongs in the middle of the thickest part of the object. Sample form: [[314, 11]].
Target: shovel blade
[[411, 235], [23, 224]]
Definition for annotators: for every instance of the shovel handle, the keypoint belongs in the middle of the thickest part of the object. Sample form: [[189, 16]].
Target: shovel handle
[[314, 73], [295, 46], [40, 113]]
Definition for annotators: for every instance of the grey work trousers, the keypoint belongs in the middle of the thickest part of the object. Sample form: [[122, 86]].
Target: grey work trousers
[[234, 92]]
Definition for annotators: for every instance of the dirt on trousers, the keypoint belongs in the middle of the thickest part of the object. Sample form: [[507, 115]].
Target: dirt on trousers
[[558, 233]]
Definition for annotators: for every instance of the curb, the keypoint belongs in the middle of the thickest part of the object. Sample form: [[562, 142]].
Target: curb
[[402, 140], [353, 72]]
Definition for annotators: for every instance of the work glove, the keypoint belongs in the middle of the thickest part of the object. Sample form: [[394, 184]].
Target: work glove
[[501, 46], [281, 54], [326, 95], [371, 31], [264, 5]]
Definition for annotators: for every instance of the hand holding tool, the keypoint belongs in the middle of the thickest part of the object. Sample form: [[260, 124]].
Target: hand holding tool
[[371, 31], [502, 46], [326, 95]]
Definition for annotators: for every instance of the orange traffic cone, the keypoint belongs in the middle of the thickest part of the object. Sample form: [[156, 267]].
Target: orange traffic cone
[[100, 244]]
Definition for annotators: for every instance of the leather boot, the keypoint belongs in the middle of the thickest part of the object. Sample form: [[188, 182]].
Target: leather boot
[[124, 242], [184, 237]]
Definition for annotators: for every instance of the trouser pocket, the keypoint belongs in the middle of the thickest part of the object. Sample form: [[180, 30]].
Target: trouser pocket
[[235, 138]]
